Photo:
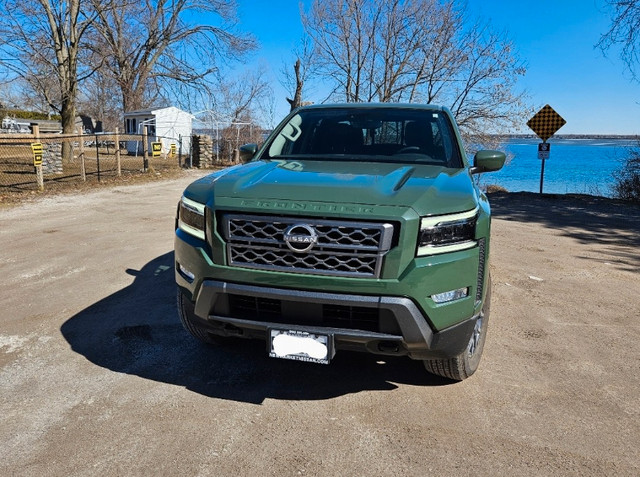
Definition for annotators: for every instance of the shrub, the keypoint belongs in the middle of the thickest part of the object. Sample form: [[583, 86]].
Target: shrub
[[20, 114], [493, 188], [627, 178]]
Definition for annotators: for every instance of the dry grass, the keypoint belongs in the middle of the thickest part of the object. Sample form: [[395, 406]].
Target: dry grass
[[8, 198], [492, 188], [18, 182]]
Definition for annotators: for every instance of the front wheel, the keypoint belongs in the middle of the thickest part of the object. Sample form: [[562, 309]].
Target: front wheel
[[466, 363], [189, 320]]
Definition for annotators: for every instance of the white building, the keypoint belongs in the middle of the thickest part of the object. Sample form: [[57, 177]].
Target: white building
[[166, 125]]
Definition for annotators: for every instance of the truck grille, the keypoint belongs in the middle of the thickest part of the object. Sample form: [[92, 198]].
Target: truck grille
[[298, 245]]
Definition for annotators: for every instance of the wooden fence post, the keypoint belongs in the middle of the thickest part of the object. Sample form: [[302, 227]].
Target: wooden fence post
[[118, 166], [39, 175], [83, 170]]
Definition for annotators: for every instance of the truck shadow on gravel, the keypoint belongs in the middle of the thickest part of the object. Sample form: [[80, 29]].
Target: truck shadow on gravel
[[611, 226], [137, 331]]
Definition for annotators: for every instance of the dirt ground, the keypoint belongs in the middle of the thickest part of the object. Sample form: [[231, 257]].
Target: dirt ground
[[97, 376]]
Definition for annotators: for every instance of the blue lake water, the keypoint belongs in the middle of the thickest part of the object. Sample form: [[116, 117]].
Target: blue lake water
[[575, 166]]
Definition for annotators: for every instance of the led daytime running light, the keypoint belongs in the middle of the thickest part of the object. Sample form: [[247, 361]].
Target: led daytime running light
[[449, 296]]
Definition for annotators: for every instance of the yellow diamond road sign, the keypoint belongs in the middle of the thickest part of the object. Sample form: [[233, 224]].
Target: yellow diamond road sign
[[546, 122]]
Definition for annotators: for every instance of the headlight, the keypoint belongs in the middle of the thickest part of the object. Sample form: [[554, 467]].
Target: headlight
[[191, 217], [447, 233]]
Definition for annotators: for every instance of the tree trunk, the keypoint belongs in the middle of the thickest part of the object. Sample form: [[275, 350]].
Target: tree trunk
[[297, 98], [68, 113]]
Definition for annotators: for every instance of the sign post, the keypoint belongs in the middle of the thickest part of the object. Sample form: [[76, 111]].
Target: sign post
[[545, 123], [36, 149]]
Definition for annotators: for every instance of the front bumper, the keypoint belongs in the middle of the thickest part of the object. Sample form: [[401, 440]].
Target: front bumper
[[418, 279], [401, 328]]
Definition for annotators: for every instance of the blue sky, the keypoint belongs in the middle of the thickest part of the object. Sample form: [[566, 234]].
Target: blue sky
[[555, 39]]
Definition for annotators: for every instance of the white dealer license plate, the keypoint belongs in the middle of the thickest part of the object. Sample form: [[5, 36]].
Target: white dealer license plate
[[300, 346]]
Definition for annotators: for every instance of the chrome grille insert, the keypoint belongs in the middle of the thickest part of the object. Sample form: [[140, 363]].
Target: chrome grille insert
[[339, 248]]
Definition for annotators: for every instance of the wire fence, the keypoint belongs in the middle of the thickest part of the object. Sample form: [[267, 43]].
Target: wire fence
[[36, 162]]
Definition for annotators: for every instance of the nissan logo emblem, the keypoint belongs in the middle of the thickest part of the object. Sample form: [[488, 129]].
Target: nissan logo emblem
[[300, 238]]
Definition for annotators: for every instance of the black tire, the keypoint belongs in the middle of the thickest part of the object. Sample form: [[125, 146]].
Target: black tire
[[466, 363], [189, 320]]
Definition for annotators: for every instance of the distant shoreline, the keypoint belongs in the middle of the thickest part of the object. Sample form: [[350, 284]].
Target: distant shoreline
[[576, 136]]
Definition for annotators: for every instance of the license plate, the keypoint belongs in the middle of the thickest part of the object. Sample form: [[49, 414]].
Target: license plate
[[300, 346]]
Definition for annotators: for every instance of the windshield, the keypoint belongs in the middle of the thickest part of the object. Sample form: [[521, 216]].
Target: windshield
[[372, 134]]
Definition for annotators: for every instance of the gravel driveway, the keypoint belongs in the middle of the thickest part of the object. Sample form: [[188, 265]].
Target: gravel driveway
[[97, 376]]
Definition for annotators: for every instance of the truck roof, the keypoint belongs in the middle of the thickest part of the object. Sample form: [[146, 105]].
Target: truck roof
[[426, 107]]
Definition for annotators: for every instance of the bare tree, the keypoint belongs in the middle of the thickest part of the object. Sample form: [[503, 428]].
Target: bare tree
[[41, 42], [238, 97], [295, 81], [267, 107], [624, 31], [483, 97], [237, 103], [299, 86], [99, 99], [421, 50], [8, 97], [37, 92], [342, 44], [150, 46]]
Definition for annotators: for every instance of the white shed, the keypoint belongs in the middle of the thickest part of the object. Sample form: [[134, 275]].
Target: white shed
[[165, 125]]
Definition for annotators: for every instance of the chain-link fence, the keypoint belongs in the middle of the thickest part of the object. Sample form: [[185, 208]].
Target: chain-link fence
[[33, 161]]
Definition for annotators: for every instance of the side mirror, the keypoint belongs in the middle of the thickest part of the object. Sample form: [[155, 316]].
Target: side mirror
[[488, 161], [247, 151]]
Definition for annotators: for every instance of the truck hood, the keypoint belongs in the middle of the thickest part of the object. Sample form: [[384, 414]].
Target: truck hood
[[428, 189]]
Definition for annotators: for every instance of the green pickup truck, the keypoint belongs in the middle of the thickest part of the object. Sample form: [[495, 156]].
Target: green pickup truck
[[353, 227]]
